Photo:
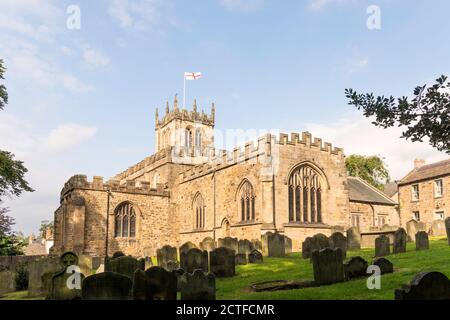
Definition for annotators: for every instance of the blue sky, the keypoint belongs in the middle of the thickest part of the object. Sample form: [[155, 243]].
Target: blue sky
[[83, 101]]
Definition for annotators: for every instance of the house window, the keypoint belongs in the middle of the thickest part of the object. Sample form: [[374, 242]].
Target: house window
[[438, 188], [247, 202], [416, 215], [415, 192], [356, 220], [439, 215], [125, 221]]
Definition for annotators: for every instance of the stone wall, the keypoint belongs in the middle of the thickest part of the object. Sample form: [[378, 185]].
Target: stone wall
[[369, 215]]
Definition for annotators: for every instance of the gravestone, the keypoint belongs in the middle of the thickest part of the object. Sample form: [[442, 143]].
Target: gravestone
[[241, 259], [438, 228], [230, 243], [222, 262], [447, 229], [60, 282], [208, 244], [385, 265], [36, 275], [186, 247], [148, 263], [353, 239], [106, 286], [194, 259], [412, 227], [425, 286], [400, 238], [198, 286], [245, 246], [315, 243], [7, 281], [338, 240], [356, 267], [287, 245], [257, 244], [276, 245], [155, 283], [382, 246], [178, 273], [166, 254], [124, 265], [118, 254], [172, 266], [255, 257], [328, 266], [264, 243], [422, 242]]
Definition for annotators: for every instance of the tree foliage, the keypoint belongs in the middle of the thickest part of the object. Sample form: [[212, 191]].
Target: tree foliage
[[426, 115], [371, 169], [44, 227], [3, 92], [12, 174], [10, 245]]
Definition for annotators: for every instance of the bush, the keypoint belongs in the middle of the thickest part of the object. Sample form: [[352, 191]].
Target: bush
[[21, 277]]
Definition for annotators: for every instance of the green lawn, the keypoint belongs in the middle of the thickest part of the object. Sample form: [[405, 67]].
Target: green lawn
[[406, 265]]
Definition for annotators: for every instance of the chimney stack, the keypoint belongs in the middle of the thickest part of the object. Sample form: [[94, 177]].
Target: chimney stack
[[418, 163]]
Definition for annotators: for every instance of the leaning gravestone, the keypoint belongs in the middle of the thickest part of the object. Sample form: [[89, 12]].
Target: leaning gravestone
[[276, 245], [382, 246], [186, 247], [356, 267], [412, 227], [222, 262], [194, 259], [353, 239], [328, 266], [385, 265], [400, 237], [166, 254], [255, 257], [106, 286], [425, 286], [422, 242], [230, 243], [287, 245], [241, 259], [447, 229], [315, 243], [438, 228], [208, 244], [245, 246], [338, 240], [155, 284], [36, 274], [124, 265], [198, 286]]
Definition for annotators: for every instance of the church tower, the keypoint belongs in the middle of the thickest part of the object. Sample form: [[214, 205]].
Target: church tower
[[180, 128]]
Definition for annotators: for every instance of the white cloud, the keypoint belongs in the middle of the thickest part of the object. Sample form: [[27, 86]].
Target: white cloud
[[357, 135], [318, 5], [136, 14], [68, 136], [242, 5], [95, 58]]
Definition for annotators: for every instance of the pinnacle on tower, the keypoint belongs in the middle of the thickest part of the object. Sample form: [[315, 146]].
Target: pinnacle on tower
[[175, 102], [156, 115], [195, 106], [167, 107], [213, 111]]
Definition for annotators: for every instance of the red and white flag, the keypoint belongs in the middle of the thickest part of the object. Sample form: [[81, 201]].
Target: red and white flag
[[192, 75]]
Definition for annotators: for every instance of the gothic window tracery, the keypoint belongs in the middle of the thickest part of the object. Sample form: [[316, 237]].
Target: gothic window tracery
[[199, 212], [125, 221], [247, 202]]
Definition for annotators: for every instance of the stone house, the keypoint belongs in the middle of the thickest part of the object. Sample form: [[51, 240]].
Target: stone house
[[294, 184]]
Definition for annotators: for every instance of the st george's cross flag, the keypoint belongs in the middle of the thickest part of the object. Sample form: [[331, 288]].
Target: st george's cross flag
[[192, 75]]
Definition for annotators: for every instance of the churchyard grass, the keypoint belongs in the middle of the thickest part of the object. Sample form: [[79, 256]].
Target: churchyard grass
[[19, 295], [293, 267]]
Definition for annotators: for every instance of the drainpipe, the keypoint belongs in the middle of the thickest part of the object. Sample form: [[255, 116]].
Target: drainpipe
[[214, 204], [108, 192]]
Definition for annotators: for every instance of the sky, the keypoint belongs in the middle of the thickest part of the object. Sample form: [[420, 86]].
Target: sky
[[84, 77]]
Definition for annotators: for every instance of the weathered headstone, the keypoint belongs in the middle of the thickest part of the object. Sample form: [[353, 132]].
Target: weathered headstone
[[179, 273], [106, 286], [255, 257], [412, 227], [186, 247], [166, 254], [148, 263], [382, 246], [155, 284], [257, 244], [118, 254], [385, 265], [124, 265], [338, 240], [194, 259], [356, 267], [287, 245], [230, 243], [36, 274], [198, 286], [438, 228], [66, 285], [245, 246], [241, 259], [400, 238], [208, 244], [315, 243], [172, 266], [328, 266], [353, 239], [447, 229], [425, 286], [7, 281], [276, 245], [264, 243], [222, 262], [422, 242]]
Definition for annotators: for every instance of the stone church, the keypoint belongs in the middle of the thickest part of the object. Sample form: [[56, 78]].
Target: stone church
[[187, 190]]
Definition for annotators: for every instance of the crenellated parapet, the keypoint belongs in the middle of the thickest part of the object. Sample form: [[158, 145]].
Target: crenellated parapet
[[97, 184], [306, 139]]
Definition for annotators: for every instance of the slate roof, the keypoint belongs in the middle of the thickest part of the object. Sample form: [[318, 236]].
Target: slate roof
[[390, 189], [429, 171], [361, 191]]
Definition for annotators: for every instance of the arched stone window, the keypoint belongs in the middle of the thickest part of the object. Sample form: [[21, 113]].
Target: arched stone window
[[156, 179], [198, 138], [125, 221], [305, 195], [246, 202], [199, 212], [188, 138]]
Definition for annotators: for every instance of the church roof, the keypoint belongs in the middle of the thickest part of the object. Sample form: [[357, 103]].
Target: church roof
[[390, 189], [429, 171], [361, 191]]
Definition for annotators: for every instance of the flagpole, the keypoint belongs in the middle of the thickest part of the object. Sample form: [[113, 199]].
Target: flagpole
[[184, 92]]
